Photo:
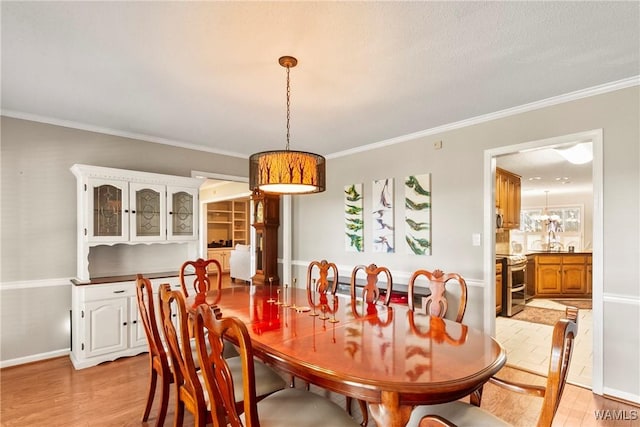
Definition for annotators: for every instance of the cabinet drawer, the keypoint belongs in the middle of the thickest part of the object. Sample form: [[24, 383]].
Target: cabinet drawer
[[574, 259], [553, 259], [112, 290]]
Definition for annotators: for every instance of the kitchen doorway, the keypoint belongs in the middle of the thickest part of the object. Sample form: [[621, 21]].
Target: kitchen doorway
[[593, 323]]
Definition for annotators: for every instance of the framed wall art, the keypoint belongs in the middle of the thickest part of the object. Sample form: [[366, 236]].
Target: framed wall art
[[353, 218], [382, 225], [417, 203]]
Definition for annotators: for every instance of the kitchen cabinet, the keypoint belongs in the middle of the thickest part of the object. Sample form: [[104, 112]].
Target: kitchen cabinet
[[499, 278], [562, 275], [530, 278], [508, 200], [590, 274], [222, 256], [106, 323], [117, 206]]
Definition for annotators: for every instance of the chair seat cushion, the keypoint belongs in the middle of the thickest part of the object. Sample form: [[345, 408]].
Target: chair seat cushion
[[267, 380], [296, 407], [459, 413]]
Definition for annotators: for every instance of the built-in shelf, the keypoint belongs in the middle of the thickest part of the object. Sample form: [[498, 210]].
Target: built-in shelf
[[227, 223]]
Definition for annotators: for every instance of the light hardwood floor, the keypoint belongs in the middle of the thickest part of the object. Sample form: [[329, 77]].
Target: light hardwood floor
[[52, 393]]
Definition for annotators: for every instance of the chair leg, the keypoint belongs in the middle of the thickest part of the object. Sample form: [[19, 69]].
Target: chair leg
[[363, 410], [164, 403], [152, 392], [365, 413], [475, 398], [179, 416]]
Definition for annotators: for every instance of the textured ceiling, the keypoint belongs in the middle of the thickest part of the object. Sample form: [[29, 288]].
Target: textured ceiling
[[205, 74]]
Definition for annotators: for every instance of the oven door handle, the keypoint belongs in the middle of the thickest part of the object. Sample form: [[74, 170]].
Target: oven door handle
[[518, 289]]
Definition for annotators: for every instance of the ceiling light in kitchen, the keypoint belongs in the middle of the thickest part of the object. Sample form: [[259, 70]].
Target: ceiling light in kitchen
[[578, 154]]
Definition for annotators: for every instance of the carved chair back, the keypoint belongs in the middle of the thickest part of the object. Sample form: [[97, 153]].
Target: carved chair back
[[200, 280], [436, 303], [158, 359], [189, 392]]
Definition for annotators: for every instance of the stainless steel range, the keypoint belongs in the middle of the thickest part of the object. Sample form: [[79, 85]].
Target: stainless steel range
[[514, 285]]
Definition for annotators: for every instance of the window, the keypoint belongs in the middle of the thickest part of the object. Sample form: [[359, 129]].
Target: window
[[553, 228]]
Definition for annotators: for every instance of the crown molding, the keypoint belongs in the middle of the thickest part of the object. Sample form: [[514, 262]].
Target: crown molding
[[560, 99], [108, 131]]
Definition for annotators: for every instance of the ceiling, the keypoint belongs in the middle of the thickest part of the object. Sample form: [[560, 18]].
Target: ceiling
[[545, 170], [205, 75]]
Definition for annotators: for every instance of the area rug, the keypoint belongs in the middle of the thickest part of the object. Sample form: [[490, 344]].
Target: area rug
[[583, 304], [543, 316]]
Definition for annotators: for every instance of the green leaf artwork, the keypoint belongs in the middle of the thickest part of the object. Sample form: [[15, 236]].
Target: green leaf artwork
[[417, 192], [353, 218]]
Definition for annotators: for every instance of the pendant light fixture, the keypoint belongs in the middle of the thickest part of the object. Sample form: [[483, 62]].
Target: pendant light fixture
[[287, 171]]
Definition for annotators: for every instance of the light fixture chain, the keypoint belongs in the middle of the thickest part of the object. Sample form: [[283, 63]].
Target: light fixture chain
[[288, 107]]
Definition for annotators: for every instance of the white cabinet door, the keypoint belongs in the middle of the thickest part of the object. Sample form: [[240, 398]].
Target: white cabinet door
[[182, 213], [147, 204], [108, 210], [137, 335], [106, 326]]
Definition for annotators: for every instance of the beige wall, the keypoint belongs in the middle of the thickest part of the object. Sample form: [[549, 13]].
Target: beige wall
[[38, 220], [457, 176], [38, 212]]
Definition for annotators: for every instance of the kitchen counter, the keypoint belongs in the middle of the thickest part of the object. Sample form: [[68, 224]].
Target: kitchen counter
[[558, 252]]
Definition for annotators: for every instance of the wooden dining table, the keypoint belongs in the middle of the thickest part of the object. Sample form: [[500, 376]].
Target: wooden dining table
[[390, 357]]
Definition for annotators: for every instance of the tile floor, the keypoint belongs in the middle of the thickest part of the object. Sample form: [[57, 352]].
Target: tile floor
[[528, 344]]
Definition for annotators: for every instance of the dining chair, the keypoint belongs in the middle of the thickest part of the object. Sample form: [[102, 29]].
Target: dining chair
[[187, 367], [288, 407], [158, 359], [463, 414], [436, 303], [370, 296], [323, 269], [370, 291], [200, 281]]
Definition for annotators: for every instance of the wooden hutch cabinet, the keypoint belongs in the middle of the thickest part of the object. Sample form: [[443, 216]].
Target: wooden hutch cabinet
[[128, 222]]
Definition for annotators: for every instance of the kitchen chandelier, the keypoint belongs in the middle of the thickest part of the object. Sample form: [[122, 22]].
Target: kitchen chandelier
[[287, 171]]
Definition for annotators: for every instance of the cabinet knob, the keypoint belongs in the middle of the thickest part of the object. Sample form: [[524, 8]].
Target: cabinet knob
[[133, 211], [124, 324], [126, 211], [170, 213]]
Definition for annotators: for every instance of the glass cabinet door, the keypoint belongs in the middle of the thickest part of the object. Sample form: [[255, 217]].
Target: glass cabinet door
[[109, 204], [147, 204], [182, 213]]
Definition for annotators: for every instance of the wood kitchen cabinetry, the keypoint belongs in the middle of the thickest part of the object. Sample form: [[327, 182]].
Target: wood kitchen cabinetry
[[563, 275], [106, 323], [508, 199]]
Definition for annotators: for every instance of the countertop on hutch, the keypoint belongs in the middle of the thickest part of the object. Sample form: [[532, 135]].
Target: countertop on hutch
[[125, 278]]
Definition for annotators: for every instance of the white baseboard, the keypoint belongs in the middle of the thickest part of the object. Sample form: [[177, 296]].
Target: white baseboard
[[629, 397], [34, 358]]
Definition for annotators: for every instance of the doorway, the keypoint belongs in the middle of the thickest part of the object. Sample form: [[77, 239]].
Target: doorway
[[492, 158]]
